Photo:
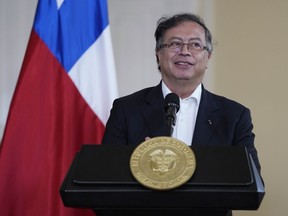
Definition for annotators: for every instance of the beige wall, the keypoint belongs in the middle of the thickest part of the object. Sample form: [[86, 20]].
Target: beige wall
[[251, 66]]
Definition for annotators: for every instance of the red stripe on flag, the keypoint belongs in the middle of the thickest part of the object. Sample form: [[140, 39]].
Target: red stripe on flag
[[47, 123]]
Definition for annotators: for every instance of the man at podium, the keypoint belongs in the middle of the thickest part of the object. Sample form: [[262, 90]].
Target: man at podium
[[183, 49]]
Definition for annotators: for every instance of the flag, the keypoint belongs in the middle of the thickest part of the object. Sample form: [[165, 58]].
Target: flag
[[62, 100]]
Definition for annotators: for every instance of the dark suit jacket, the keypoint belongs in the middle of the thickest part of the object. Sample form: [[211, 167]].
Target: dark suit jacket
[[220, 121]]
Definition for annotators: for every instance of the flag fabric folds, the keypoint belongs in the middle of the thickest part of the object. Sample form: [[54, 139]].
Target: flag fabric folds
[[62, 100]]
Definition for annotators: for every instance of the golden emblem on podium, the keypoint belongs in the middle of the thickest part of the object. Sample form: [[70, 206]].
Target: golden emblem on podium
[[162, 163]]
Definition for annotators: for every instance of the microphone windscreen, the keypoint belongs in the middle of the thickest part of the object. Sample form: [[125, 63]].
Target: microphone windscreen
[[172, 99]]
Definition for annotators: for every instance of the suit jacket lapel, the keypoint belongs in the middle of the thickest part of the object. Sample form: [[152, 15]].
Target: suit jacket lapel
[[207, 119], [155, 117]]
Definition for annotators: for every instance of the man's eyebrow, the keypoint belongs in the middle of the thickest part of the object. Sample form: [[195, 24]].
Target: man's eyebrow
[[196, 38], [190, 39], [175, 38]]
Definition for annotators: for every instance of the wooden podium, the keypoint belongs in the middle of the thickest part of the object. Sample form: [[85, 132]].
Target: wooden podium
[[225, 179]]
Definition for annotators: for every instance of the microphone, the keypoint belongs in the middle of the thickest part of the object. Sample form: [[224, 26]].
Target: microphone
[[171, 106]]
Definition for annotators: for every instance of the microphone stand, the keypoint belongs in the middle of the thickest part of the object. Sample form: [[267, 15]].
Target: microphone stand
[[171, 119], [170, 122]]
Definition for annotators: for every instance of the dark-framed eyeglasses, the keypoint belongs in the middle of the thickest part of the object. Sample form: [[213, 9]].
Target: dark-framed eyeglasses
[[177, 46]]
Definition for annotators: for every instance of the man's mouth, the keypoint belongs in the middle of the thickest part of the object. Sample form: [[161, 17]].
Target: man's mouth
[[184, 63]]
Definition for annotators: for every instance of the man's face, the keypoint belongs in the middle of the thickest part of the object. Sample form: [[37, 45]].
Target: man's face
[[184, 66]]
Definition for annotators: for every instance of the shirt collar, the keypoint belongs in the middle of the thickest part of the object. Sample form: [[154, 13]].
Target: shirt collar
[[196, 93]]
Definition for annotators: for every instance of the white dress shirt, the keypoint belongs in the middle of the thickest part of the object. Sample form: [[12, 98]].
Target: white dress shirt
[[186, 116]]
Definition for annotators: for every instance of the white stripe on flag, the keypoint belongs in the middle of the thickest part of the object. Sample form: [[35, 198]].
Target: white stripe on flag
[[59, 3], [94, 76]]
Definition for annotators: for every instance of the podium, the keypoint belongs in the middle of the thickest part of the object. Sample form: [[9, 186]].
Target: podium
[[225, 179]]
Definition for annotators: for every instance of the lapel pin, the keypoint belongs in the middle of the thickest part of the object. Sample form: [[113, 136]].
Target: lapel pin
[[209, 122]]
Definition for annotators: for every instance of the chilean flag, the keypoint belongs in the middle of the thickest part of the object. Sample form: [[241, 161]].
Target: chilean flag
[[62, 100]]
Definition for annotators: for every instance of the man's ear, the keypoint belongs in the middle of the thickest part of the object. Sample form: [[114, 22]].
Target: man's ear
[[157, 59], [209, 55]]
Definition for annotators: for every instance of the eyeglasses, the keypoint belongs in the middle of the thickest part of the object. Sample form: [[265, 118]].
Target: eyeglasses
[[176, 46]]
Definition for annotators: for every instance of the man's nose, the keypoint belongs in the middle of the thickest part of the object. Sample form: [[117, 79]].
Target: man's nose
[[185, 49]]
